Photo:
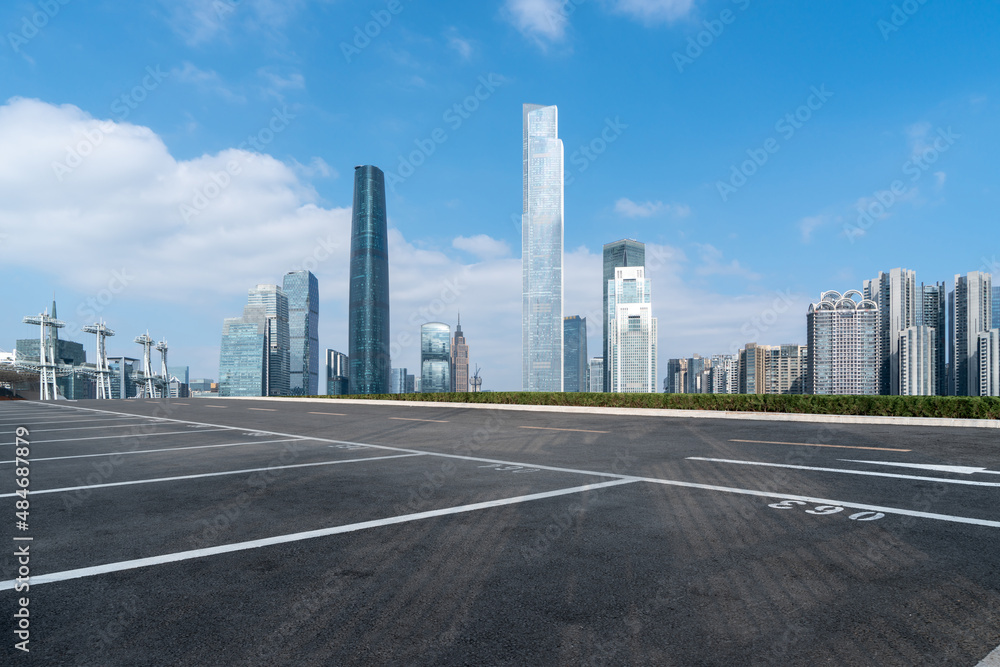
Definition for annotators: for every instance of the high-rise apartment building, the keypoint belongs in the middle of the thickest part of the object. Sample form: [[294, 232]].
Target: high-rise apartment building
[[337, 382], [302, 290], [932, 312], [435, 358], [459, 360], [896, 295], [918, 360], [843, 346], [989, 362], [971, 305], [996, 308], [254, 357], [575, 353], [781, 369], [725, 374], [626, 252], [542, 251], [748, 382], [595, 375], [676, 377], [632, 345], [368, 306]]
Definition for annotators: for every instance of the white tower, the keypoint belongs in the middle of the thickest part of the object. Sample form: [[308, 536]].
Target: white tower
[[46, 353], [103, 369], [148, 388]]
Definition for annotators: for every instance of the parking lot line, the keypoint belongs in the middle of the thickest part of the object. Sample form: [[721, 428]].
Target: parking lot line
[[37, 580], [264, 409], [135, 435], [36, 492], [335, 414], [549, 428], [165, 449], [72, 421], [812, 444], [411, 419]]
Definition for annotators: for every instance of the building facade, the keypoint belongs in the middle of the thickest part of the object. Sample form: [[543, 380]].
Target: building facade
[[933, 313], [971, 305], [337, 381], [843, 347], [989, 363], [542, 250], [368, 305], [898, 302], [302, 290], [242, 359], [459, 360], [626, 252], [632, 345], [435, 358], [575, 353], [918, 361], [595, 375]]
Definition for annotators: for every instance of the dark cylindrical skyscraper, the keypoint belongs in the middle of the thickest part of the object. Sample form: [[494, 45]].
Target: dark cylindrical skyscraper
[[368, 317]]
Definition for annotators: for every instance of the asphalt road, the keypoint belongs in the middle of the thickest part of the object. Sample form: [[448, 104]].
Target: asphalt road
[[215, 532]]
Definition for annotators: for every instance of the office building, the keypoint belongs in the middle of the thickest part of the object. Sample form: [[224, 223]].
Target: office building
[[971, 305], [595, 375], [435, 358], [626, 252], [632, 345], [368, 306], [182, 373], [918, 360], [843, 347], [254, 356], [932, 313], [397, 381], [696, 381], [896, 295], [674, 382], [542, 250], [989, 363], [459, 360], [337, 383], [302, 290], [748, 382], [575, 353], [123, 377], [409, 384], [73, 382]]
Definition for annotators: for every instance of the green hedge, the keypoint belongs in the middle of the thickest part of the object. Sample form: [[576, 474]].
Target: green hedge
[[959, 407]]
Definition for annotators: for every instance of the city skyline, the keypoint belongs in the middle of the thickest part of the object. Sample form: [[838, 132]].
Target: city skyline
[[240, 161]]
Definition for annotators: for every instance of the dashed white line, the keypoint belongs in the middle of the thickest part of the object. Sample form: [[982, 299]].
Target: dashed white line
[[411, 419], [263, 409], [37, 580], [335, 414]]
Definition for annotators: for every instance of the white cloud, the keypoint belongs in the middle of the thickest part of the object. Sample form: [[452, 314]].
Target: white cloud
[[714, 264], [648, 209], [206, 80], [459, 44], [810, 224], [482, 246], [653, 11], [119, 211], [541, 20], [199, 21]]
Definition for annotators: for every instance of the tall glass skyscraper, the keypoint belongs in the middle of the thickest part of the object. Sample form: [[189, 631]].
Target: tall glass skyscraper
[[302, 290], [336, 373], [368, 307], [575, 353], [620, 253], [254, 357], [542, 250], [632, 343], [435, 358]]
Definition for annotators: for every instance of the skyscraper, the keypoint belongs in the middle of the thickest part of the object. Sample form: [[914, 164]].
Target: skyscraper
[[989, 362], [254, 356], [918, 361], [972, 314], [620, 253], [632, 344], [459, 360], [302, 290], [895, 293], [595, 375], [368, 307], [575, 353], [435, 358], [932, 313], [542, 250], [337, 383], [844, 355], [996, 308]]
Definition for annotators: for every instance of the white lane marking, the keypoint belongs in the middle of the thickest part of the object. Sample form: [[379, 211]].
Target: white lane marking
[[72, 421], [655, 480], [264, 409], [992, 660], [960, 470], [37, 580], [207, 406], [207, 474], [137, 435], [866, 473], [411, 419], [335, 414], [549, 428], [812, 444], [89, 428], [165, 449]]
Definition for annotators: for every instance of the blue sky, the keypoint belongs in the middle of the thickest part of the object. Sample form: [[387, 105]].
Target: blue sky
[[172, 213]]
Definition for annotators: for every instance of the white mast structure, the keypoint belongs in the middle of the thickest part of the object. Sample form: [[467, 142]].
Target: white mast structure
[[46, 354], [148, 388], [161, 347], [103, 368]]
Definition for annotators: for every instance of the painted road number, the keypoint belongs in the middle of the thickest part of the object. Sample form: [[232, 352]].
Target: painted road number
[[822, 510], [509, 468]]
